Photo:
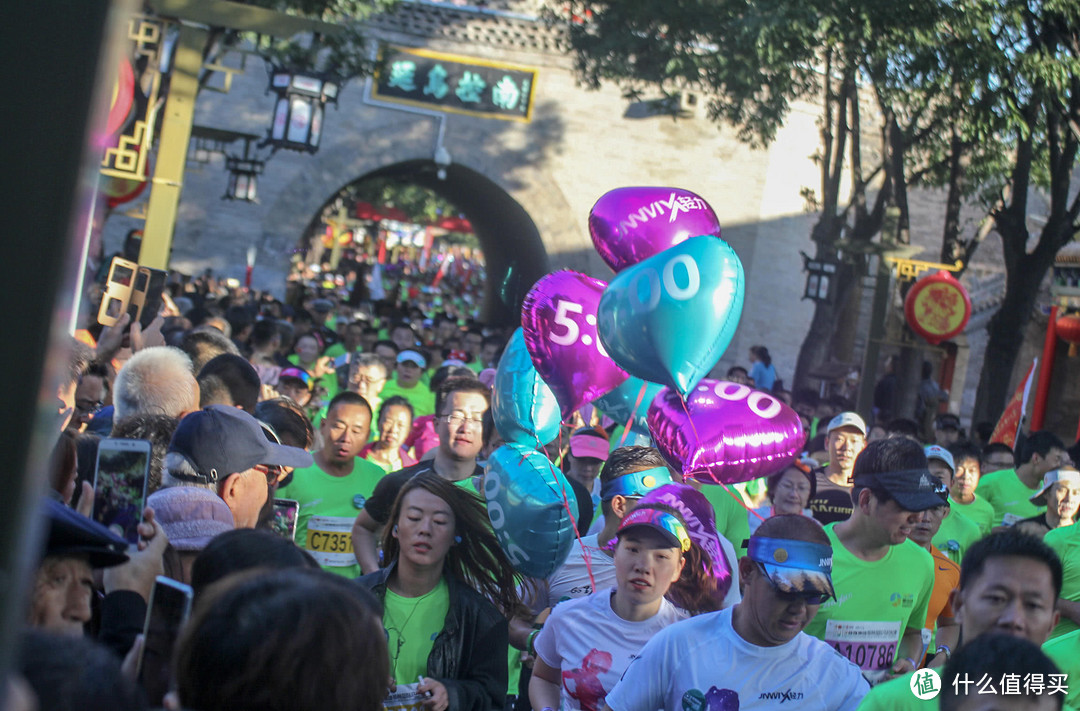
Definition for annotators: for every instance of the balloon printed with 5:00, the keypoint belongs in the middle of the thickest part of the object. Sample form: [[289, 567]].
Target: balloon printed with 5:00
[[725, 433], [558, 320], [669, 318], [524, 493]]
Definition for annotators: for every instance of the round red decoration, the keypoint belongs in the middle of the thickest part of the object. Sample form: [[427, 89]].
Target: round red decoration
[[937, 307]]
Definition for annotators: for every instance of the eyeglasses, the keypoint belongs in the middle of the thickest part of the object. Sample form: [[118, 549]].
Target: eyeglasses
[[457, 419], [810, 598], [272, 472], [90, 407]]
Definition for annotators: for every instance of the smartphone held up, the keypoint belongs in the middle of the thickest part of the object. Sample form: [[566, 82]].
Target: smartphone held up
[[120, 479]]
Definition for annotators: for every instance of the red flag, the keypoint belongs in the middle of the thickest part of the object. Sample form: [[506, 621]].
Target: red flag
[[382, 251], [1012, 419]]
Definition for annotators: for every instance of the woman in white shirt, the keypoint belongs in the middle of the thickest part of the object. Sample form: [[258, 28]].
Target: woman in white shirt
[[587, 643]]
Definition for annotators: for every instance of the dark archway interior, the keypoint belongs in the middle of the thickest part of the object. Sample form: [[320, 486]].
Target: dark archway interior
[[512, 246]]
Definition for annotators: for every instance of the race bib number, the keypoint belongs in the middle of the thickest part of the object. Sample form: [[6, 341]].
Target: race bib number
[[870, 645], [405, 698], [1010, 519], [329, 540]]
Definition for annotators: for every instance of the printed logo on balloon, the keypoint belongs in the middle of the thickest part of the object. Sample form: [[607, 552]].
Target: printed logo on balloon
[[669, 318], [559, 322], [724, 432], [628, 225]]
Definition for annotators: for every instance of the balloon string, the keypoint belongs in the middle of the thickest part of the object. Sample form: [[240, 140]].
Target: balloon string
[[633, 411], [573, 521], [697, 440]]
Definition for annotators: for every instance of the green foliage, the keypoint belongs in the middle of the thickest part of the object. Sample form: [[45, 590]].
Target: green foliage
[[422, 205], [345, 54]]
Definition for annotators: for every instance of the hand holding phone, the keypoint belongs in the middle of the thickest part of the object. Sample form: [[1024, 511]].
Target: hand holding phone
[[123, 466], [170, 605]]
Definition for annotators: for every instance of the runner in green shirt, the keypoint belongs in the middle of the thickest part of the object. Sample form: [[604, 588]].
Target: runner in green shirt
[[406, 383], [1008, 585], [962, 492], [883, 580], [335, 488], [956, 533], [1009, 491], [1066, 543]]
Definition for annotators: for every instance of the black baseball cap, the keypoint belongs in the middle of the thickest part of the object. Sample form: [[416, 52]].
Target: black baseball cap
[[913, 489], [219, 441], [947, 421], [72, 534]]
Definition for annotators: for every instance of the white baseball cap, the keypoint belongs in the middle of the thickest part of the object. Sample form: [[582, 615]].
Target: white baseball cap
[[847, 419], [1066, 474], [933, 451]]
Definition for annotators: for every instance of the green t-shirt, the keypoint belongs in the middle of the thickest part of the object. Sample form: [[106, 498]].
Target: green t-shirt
[[956, 534], [979, 512], [1009, 496], [1066, 543], [875, 603], [1065, 652], [328, 508], [412, 624], [419, 396], [335, 350], [732, 520]]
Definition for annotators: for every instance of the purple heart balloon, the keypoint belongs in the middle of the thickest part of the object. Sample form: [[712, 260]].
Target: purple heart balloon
[[725, 432], [558, 320], [628, 225]]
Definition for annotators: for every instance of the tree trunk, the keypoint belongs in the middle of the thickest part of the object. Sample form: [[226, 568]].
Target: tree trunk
[[817, 346], [1006, 329]]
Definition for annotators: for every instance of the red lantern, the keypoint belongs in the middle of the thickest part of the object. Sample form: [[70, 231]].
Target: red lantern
[[937, 307], [1068, 330]]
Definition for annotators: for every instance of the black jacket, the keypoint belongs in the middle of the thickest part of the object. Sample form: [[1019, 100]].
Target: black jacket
[[469, 655]]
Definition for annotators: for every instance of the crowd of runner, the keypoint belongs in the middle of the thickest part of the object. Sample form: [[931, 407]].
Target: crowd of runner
[[835, 583]]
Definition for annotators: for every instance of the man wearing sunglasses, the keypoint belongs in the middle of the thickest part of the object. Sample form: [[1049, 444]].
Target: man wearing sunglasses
[[223, 450], [883, 580], [754, 655]]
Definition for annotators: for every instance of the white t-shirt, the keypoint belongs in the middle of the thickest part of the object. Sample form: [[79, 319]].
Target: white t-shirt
[[571, 580], [702, 664], [592, 646]]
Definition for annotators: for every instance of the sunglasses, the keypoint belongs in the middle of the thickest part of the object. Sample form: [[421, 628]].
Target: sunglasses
[[272, 472], [810, 598]]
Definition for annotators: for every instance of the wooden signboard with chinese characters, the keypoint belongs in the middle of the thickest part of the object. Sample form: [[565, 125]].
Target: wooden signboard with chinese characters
[[456, 84]]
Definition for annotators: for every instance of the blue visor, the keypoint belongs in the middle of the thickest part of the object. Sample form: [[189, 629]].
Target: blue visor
[[636, 484], [794, 566]]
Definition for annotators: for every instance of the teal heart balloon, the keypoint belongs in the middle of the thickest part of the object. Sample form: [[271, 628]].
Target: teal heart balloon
[[529, 503], [523, 406], [669, 318], [630, 400]]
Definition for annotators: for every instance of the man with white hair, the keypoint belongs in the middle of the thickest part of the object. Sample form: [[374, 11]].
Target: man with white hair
[[156, 381]]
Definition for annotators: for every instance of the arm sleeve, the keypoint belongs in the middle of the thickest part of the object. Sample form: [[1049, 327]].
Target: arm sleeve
[[644, 683], [852, 691], [483, 678]]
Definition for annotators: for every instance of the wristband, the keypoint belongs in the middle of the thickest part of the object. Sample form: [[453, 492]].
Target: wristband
[[529, 642], [944, 649], [914, 664]]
